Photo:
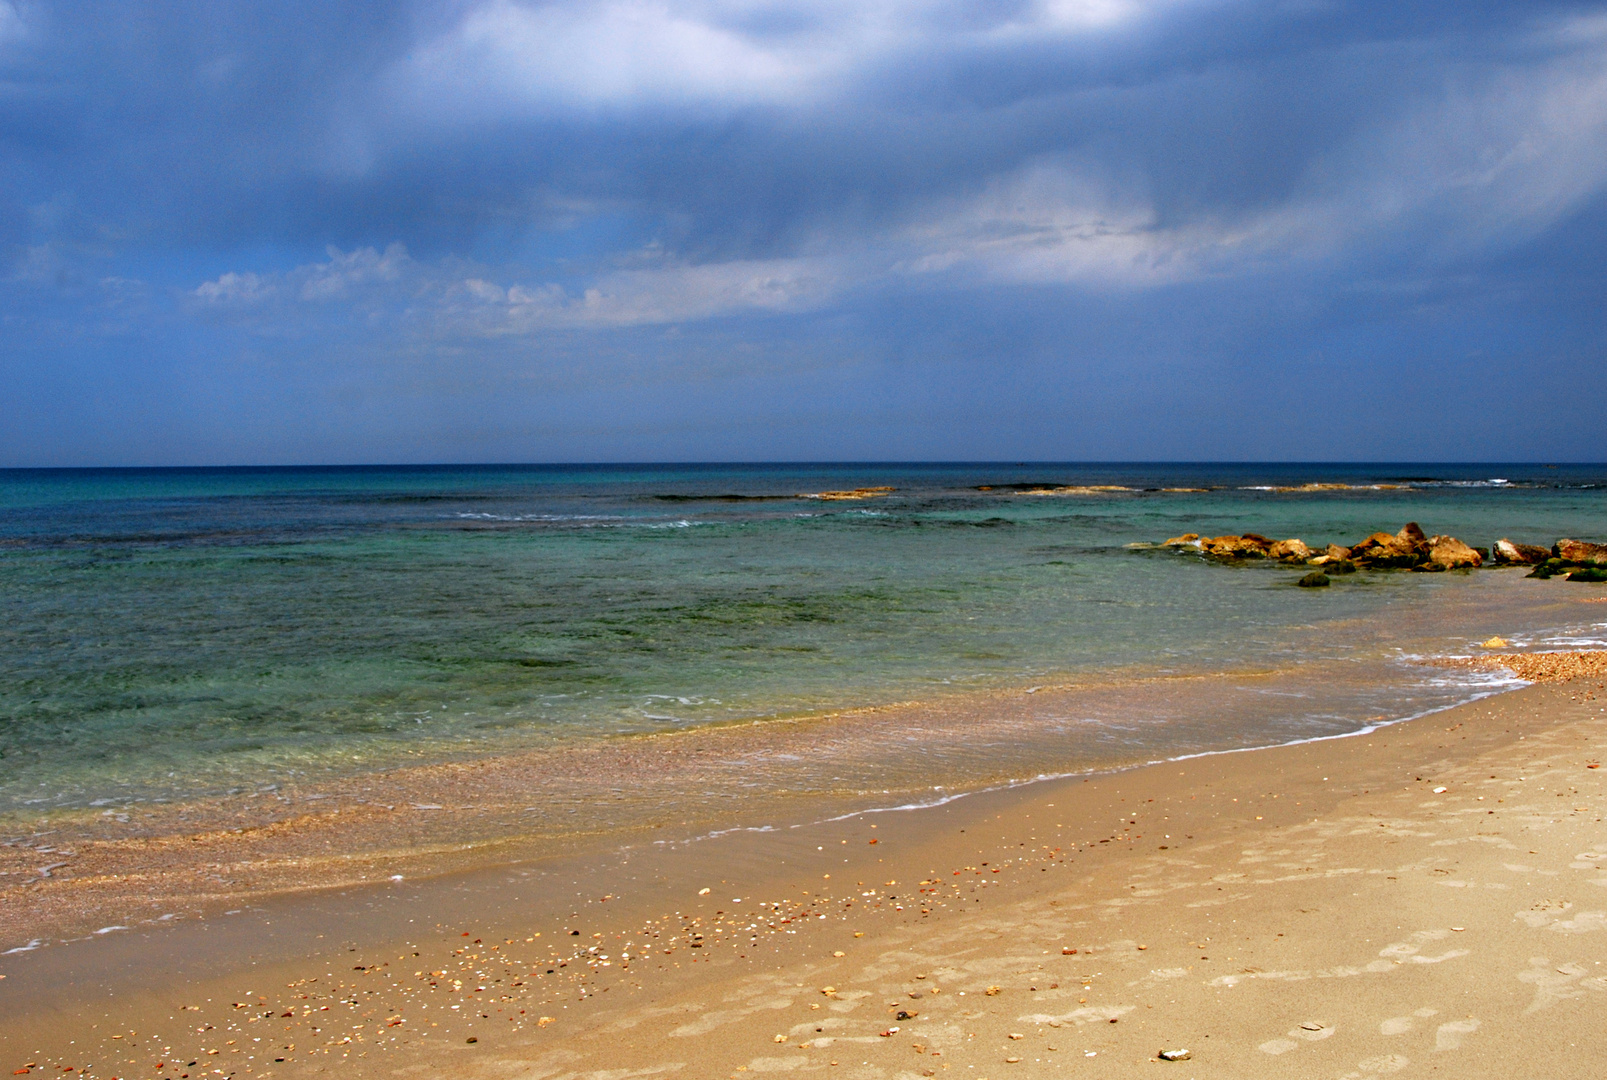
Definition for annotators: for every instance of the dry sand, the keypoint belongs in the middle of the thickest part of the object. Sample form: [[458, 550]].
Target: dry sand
[[1430, 898]]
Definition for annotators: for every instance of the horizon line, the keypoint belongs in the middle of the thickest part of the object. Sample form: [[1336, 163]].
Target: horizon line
[[812, 463]]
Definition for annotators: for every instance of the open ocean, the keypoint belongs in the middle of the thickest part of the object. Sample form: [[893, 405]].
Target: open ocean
[[171, 633]]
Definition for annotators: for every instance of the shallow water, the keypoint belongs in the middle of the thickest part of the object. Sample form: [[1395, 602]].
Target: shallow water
[[169, 634]]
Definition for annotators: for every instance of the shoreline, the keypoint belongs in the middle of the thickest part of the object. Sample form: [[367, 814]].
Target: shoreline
[[190, 858], [1071, 875]]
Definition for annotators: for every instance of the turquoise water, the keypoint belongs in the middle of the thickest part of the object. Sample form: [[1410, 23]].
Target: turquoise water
[[166, 633]]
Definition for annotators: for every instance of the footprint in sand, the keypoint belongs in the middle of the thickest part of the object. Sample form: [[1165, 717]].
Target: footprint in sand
[[1386, 1063], [1409, 952], [1309, 1031], [1449, 1036], [1557, 983], [1582, 923], [1589, 860], [1400, 1025]]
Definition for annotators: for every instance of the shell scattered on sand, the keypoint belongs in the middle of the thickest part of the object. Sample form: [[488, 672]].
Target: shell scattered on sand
[[1539, 667]]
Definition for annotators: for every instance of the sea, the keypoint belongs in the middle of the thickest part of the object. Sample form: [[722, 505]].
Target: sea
[[181, 634]]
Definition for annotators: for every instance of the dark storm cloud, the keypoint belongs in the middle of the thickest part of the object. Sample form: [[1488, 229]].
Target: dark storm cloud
[[209, 123]]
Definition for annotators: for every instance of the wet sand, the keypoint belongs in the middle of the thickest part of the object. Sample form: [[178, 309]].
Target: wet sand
[[1427, 898], [70, 873]]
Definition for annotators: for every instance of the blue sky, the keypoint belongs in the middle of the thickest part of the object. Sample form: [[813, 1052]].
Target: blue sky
[[498, 230]]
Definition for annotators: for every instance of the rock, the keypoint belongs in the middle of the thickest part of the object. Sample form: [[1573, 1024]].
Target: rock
[[1186, 540], [1509, 554], [1377, 539], [1236, 547], [1403, 550], [1314, 580], [1449, 553], [1335, 552], [1289, 551], [1341, 566], [1580, 551], [1597, 574], [1494, 643], [1174, 1055]]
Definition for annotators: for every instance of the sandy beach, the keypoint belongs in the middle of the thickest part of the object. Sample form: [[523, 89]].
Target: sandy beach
[[1427, 898]]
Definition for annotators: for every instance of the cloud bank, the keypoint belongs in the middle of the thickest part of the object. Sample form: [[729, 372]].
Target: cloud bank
[[848, 217]]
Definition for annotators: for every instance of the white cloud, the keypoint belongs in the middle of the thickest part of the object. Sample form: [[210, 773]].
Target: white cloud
[[637, 297], [343, 276], [233, 288], [336, 279], [512, 56], [454, 300], [1051, 221]]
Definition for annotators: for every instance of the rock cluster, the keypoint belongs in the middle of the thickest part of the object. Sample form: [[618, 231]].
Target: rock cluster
[[1579, 559], [1409, 549]]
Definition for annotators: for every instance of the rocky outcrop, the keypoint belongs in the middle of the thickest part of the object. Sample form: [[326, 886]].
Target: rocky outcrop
[[1449, 553], [1248, 546], [1588, 561], [1404, 550], [1580, 552], [1507, 553], [1294, 551], [1409, 549]]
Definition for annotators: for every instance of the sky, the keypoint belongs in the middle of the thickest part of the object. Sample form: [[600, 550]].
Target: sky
[[704, 230]]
